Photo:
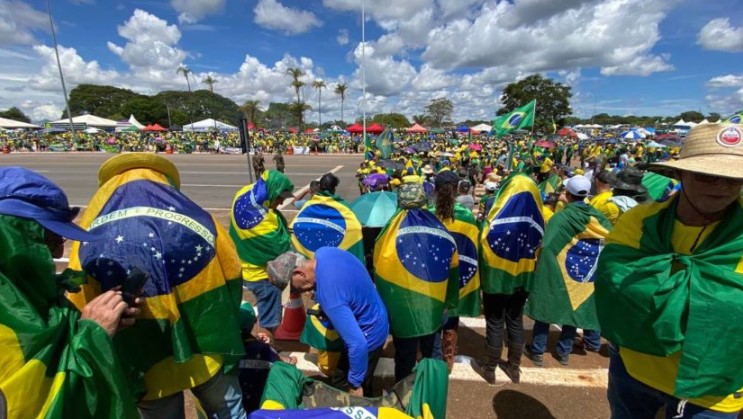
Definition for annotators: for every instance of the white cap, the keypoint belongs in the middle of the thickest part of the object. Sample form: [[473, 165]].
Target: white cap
[[491, 186], [578, 185]]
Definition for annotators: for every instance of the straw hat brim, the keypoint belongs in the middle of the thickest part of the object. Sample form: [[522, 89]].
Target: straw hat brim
[[123, 162], [721, 165]]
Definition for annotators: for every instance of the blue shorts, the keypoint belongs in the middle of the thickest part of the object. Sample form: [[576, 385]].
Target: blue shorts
[[269, 302]]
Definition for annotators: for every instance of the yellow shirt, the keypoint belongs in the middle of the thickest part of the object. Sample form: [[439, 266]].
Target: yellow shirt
[[609, 209], [547, 213], [660, 372], [253, 273]]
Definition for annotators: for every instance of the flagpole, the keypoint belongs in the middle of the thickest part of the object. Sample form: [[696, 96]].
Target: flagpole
[[363, 72], [59, 67], [535, 117]]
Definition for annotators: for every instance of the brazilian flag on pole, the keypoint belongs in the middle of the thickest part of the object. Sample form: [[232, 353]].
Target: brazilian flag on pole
[[463, 228], [561, 291], [417, 272], [522, 117], [193, 279], [52, 364], [512, 238], [735, 118], [327, 220], [384, 143]]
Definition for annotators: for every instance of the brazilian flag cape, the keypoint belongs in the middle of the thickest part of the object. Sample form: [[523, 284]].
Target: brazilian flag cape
[[417, 272], [259, 232], [52, 364], [511, 239], [655, 301], [327, 220], [283, 397], [561, 290], [319, 334], [463, 228], [658, 186], [189, 327]]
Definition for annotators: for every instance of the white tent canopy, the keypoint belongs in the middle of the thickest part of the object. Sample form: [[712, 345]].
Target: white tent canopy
[[209, 124], [481, 128], [10, 124], [133, 121], [89, 120]]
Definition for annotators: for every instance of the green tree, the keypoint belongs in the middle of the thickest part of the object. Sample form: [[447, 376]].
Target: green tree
[[210, 82], [278, 115], [250, 109], [296, 74], [439, 111], [182, 69], [714, 117], [15, 114], [199, 105], [420, 119], [298, 109], [148, 110], [692, 116], [319, 85], [104, 101], [553, 100], [394, 120], [340, 90]]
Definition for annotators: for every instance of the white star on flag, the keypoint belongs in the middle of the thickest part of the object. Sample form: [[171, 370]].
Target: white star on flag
[[158, 255], [171, 208], [119, 239], [151, 235], [199, 248]]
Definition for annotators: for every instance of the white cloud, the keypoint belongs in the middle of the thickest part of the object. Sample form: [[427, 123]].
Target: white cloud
[[385, 76], [19, 21], [726, 104], [151, 50], [381, 9], [728, 80], [192, 11], [75, 69], [545, 37], [41, 112], [342, 37], [273, 15], [720, 35], [458, 9]]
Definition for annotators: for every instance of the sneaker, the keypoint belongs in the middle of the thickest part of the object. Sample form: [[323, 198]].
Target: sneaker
[[537, 359], [563, 359]]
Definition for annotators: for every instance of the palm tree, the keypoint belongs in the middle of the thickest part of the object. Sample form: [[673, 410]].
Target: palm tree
[[183, 69], [298, 108], [296, 74], [419, 119], [319, 85], [210, 81], [340, 90], [250, 109]]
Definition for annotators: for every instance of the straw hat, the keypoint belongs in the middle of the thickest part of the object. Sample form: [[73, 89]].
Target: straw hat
[[712, 149], [124, 162]]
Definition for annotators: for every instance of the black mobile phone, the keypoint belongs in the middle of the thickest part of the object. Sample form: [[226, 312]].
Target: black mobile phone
[[132, 285]]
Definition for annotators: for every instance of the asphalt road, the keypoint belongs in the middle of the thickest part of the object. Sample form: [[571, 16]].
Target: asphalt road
[[575, 392], [209, 180]]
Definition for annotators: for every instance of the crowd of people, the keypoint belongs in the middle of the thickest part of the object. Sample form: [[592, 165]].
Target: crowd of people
[[637, 244]]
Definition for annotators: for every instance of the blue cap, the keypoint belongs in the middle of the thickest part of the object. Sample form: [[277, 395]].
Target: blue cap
[[25, 193]]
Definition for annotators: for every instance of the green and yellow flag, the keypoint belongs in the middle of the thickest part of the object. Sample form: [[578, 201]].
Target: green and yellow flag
[[416, 269], [319, 333], [522, 117], [327, 220], [656, 300], [260, 232], [52, 364], [561, 291], [549, 185], [463, 228], [736, 118], [193, 281], [511, 239]]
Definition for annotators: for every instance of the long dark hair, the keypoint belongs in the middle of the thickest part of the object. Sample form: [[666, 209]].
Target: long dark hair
[[328, 182], [445, 198]]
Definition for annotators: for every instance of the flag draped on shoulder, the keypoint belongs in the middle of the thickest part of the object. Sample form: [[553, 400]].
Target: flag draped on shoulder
[[259, 232], [512, 237], [522, 117], [463, 228], [192, 281], [416, 269], [657, 301], [327, 220], [319, 333], [561, 291], [52, 365], [549, 185]]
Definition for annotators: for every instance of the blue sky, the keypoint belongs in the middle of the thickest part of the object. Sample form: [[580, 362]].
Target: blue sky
[[622, 57]]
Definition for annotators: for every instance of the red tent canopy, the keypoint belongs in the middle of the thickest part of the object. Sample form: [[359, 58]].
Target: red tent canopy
[[566, 132], [375, 128], [293, 130], [417, 129], [154, 127], [355, 128], [309, 131]]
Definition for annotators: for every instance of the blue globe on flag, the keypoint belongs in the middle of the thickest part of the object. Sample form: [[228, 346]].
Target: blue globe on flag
[[582, 258], [516, 232], [423, 248], [467, 257], [319, 226]]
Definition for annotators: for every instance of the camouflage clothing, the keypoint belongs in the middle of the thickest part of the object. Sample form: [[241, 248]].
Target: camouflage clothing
[[279, 160]]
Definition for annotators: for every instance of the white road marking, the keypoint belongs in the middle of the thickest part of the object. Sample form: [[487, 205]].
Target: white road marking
[[568, 377], [305, 188]]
